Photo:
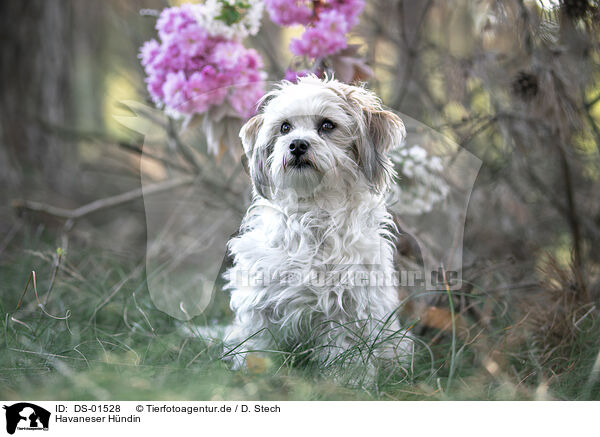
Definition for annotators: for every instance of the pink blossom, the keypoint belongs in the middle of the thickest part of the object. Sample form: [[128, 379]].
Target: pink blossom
[[318, 43], [155, 82], [253, 60], [204, 90], [289, 12], [244, 98], [293, 76], [327, 23], [175, 91], [170, 57], [191, 41], [173, 20], [332, 21], [228, 54], [189, 71], [149, 51], [351, 9]]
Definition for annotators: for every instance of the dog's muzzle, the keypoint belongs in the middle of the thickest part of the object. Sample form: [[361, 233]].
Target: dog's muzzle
[[299, 147], [299, 159]]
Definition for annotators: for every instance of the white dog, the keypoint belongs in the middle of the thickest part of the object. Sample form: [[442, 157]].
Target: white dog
[[315, 249]]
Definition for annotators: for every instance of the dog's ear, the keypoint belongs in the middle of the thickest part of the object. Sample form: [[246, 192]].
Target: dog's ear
[[379, 131], [257, 156], [259, 171], [249, 132], [386, 129]]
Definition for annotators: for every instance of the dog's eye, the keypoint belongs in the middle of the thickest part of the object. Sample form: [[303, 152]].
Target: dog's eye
[[285, 128], [326, 125]]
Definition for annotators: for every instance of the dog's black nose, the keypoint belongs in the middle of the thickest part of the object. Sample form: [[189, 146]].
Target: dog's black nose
[[298, 147]]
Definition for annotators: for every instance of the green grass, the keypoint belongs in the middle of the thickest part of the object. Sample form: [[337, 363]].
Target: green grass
[[116, 345]]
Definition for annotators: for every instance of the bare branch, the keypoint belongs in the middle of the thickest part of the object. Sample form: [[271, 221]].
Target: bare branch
[[183, 149], [136, 149], [105, 203], [572, 216]]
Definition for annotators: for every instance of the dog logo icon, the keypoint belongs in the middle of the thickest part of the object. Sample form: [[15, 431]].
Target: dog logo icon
[[26, 416]]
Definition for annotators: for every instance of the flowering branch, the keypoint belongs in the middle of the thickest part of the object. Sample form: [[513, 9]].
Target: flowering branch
[[323, 44], [199, 66]]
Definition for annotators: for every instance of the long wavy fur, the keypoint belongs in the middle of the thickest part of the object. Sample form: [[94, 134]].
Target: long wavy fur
[[329, 218]]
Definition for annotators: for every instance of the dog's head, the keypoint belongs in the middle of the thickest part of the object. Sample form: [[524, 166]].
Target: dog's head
[[315, 128]]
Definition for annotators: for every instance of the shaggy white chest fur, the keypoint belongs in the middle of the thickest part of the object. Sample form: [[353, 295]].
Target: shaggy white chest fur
[[315, 248], [304, 272]]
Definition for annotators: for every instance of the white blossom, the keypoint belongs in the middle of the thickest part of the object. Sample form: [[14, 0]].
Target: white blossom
[[420, 185], [249, 23]]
